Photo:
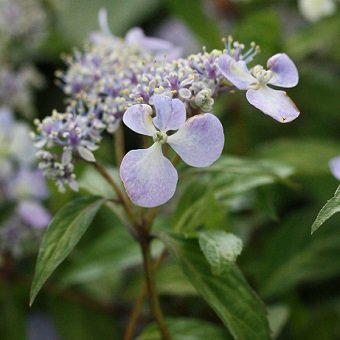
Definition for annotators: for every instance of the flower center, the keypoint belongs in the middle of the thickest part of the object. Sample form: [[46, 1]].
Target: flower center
[[160, 137], [261, 75]]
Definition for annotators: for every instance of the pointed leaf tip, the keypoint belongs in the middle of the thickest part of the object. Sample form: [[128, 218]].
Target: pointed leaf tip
[[61, 236], [328, 210]]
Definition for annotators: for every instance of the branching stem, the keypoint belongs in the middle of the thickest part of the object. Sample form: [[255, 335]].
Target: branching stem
[[141, 232], [119, 144], [133, 319], [123, 199], [151, 288]]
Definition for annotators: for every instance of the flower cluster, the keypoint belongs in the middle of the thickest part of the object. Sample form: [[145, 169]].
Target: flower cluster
[[22, 187], [75, 135], [16, 88], [21, 22], [115, 78]]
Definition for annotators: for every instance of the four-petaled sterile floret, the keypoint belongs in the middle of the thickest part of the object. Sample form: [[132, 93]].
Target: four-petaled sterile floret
[[281, 72], [149, 178]]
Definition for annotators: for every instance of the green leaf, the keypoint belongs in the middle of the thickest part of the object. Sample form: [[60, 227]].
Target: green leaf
[[277, 316], [94, 183], [62, 235], [228, 294], [198, 206], [308, 156], [110, 253], [171, 281], [328, 210], [219, 247], [292, 256], [232, 175], [215, 188], [316, 39], [186, 329]]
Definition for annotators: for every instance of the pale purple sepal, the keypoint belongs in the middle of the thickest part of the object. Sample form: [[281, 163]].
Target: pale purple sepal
[[273, 103], [34, 214], [135, 37], [199, 142], [27, 183], [334, 165], [104, 36], [149, 178], [284, 71], [236, 72], [21, 146], [6, 119], [138, 118], [104, 22], [170, 113]]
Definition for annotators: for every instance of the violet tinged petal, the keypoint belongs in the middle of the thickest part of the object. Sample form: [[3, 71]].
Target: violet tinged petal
[[6, 119], [149, 178], [334, 164], [284, 71], [66, 156], [34, 214], [236, 72], [136, 38], [200, 141], [21, 146], [139, 119], [26, 183], [86, 154], [170, 113], [273, 103]]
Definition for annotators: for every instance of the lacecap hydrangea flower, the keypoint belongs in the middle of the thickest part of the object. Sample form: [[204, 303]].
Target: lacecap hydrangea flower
[[149, 178], [281, 72], [113, 74]]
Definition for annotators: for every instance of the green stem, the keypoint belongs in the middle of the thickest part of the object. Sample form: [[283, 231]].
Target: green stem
[[151, 288], [119, 144], [134, 316], [133, 319], [123, 199]]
